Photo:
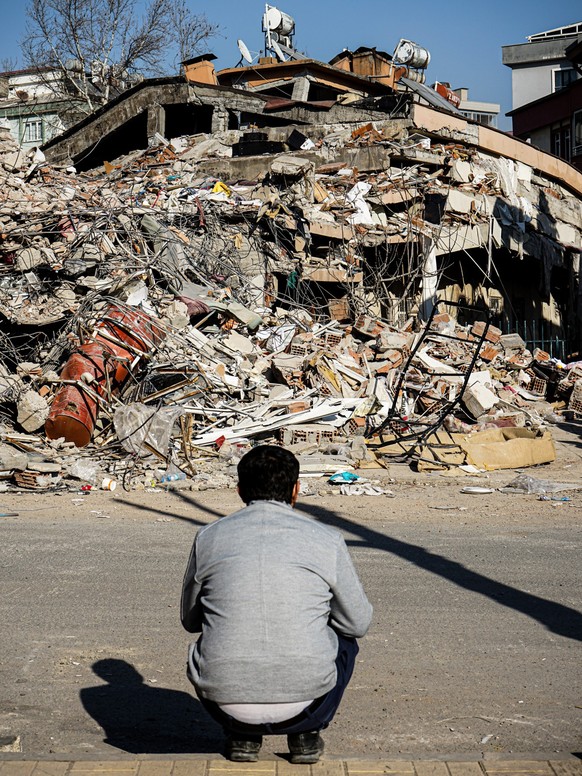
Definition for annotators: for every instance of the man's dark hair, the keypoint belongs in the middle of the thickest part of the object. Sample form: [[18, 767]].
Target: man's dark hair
[[267, 473]]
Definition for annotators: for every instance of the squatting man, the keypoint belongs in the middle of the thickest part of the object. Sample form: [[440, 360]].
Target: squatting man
[[279, 606]]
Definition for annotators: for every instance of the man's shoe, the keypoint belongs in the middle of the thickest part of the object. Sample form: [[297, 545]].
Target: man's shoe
[[243, 750], [305, 748]]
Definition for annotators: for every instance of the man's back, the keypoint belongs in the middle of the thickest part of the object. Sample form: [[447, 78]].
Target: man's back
[[269, 588]]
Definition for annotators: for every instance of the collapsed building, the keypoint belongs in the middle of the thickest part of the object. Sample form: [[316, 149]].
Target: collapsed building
[[329, 256]]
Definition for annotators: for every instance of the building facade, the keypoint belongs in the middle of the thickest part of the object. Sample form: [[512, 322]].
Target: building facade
[[477, 110], [32, 105], [547, 91], [541, 67]]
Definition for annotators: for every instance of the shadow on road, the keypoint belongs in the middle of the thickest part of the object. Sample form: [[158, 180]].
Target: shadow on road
[[142, 719], [556, 617], [152, 510]]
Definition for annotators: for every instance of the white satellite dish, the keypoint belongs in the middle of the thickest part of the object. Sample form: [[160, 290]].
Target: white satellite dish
[[244, 51], [277, 49]]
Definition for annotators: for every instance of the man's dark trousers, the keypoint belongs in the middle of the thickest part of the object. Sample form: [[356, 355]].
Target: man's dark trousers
[[316, 716]]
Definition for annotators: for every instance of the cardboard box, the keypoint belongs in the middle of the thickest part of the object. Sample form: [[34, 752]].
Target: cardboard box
[[507, 448]]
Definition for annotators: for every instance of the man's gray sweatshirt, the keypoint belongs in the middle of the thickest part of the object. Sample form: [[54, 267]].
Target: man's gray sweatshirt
[[268, 588]]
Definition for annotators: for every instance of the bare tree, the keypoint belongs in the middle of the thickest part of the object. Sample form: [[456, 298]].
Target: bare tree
[[9, 64], [98, 46], [191, 31]]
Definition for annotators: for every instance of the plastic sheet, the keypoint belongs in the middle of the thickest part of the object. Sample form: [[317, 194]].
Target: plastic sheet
[[141, 428], [524, 483]]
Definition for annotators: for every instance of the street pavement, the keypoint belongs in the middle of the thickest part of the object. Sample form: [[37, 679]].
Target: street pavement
[[473, 656], [215, 767]]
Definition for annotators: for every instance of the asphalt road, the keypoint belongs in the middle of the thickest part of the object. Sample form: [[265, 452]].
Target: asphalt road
[[475, 645]]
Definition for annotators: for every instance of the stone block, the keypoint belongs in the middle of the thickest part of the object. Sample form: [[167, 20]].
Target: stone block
[[33, 410], [478, 399]]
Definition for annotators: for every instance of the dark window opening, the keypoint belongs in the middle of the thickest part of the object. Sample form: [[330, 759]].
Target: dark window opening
[[187, 119], [560, 142], [132, 136], [322, 92], [560, 286], [563, 78]]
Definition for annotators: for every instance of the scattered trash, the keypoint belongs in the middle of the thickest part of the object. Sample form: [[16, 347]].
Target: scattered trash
[[448, 508], [173, 477], [91, 473], [341, 477], [365, 489], [523, 483], [476, 490]]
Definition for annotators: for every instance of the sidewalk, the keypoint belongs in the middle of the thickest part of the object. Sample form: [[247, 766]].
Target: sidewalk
[[279, 767]]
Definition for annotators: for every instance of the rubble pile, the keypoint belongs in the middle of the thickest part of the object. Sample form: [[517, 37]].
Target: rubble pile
[[158, 319]]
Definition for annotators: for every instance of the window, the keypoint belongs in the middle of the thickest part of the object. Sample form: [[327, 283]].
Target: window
[[560, 141], [33, 131], [483, 118], [563, 78], [577, 126]]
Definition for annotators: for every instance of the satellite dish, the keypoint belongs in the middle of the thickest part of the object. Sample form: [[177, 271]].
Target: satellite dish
[[244, 51], [277, 49]]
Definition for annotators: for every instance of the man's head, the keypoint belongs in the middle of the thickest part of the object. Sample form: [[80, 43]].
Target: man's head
[[268, 473]]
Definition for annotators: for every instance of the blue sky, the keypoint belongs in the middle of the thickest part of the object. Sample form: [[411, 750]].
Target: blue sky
[[464, 39]]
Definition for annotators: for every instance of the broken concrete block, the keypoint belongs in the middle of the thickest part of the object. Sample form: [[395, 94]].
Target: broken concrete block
[[28, 258], [511, 341], [291, 165], [78, 263], [176, 314], [11, 458], [66, 295], [28, 369], [389, 340], [567, 235], [45, 467], [461, 201], [478, 399], [33, 410], [461, 171], [359, 450], [240, 344], [287, 369]]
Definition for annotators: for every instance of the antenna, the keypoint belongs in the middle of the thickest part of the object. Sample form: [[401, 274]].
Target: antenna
[[279, 28], [244, 52]]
